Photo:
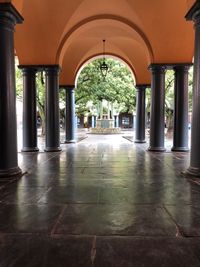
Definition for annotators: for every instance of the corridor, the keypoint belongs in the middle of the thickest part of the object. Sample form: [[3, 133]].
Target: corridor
[[104, 202]]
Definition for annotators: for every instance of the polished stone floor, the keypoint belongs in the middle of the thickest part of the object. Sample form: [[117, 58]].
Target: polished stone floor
[[103, 202]]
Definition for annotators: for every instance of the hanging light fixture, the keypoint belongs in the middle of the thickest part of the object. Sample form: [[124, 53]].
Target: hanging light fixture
[[104, 66]]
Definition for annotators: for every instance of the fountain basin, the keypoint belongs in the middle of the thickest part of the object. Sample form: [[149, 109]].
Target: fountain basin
[[105, 130]]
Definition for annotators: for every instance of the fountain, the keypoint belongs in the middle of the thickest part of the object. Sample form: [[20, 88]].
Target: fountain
[[105, 124]]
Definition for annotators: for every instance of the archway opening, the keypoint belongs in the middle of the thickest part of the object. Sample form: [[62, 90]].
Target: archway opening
[[105, 103]]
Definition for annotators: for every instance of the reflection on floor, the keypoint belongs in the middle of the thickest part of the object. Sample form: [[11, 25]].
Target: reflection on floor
[[102, 202]]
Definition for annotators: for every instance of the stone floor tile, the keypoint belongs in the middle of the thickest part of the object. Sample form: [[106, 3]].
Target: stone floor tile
[[144, 252], [12, 194], [36, 180], [187, 218], [45, 251], [28, 218], [71, 194], [134, 220], [144, 193]]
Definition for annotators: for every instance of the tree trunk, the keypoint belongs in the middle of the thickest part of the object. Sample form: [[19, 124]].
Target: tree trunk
[[170, 124], [42, 116]]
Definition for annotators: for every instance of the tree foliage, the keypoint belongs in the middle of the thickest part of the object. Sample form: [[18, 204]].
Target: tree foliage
[[117, 88]]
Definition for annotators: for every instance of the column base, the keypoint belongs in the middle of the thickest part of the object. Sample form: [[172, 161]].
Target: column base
[[70, 141], [180, 149], [30, 149], [156, 149], [140, 141], [10, 172], [193, 172], [52, 149]]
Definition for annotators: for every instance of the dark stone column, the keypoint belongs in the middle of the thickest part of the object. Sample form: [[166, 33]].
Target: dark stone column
[[29, 109], [140, 114], [70, 114], [52, 109], [157, 123], [9, 16], [180, 137], [194, 169]]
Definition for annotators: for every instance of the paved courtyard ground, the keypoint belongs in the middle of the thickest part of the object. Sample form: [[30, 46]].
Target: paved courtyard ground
[[104, 202]]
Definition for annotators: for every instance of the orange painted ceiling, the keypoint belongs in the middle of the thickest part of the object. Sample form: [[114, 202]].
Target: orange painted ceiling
[[69, 32]]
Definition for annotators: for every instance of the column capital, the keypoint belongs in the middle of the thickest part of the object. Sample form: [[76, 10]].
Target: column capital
[[169, 66], [67, 87], [157, 68], [142, 86], [41, 67], [9, 16], [182, 67], [194, 13], [51, 69], [28, 69]]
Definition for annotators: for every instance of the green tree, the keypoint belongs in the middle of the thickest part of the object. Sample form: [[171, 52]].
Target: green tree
[[19, 83], [190, 88], [117, 88]]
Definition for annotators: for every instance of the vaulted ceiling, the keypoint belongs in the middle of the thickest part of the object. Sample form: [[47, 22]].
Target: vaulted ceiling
[[69, 33]]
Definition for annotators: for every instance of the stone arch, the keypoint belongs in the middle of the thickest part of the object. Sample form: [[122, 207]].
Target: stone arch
[[62, 47]]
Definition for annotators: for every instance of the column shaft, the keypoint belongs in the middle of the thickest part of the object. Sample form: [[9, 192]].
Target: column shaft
[[194, 169], [70, 115], [157, 123], [8, 125], [52, 110], [29, 109], [180, 136], [140, 114]]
